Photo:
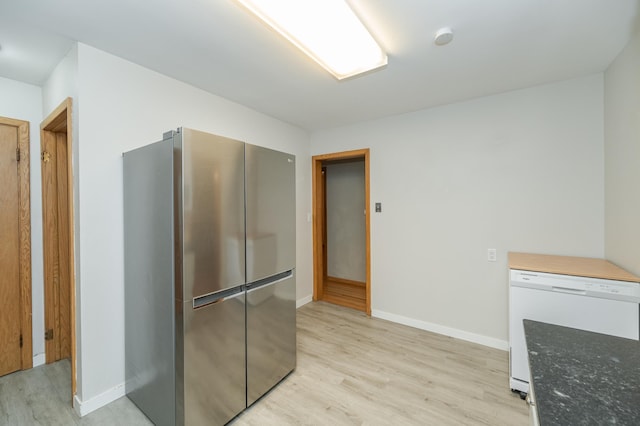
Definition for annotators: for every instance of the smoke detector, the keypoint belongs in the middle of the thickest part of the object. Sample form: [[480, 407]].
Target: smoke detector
[[443, 36]]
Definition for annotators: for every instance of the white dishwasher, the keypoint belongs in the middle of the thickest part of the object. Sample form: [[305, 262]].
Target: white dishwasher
[[593, 304]]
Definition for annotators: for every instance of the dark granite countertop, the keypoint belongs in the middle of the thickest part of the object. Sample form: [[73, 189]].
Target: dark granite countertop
[[583, 378]]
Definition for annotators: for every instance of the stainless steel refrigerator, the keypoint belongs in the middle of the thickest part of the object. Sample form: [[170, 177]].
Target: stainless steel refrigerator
[[210, 317]]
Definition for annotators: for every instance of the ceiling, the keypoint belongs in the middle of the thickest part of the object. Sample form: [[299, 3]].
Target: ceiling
[[499, 45]]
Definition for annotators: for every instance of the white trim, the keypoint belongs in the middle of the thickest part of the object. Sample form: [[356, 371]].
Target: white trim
[[303, 301], [441, 329], [39, 359], [85, 407]]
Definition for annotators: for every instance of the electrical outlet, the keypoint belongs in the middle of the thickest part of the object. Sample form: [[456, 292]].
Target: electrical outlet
[[491, 255]]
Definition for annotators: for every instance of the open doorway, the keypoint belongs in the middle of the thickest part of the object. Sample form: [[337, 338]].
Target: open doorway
[[341, 251], [58, 239]]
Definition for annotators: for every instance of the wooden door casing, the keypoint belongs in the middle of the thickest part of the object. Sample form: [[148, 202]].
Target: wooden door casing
[[320, 278], [323, 223]]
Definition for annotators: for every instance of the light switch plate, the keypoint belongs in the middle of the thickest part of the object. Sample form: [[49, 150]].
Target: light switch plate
[[491, 255]]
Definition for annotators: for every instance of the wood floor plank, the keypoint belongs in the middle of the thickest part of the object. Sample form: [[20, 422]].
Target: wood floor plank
[[357, 370], [42, 396], [352, 290], [347, 302], [351, 370], [345, 294]]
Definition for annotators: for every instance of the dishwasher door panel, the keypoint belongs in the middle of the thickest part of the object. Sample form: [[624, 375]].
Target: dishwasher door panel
[[271, 335], [214, 360], [606, 316]]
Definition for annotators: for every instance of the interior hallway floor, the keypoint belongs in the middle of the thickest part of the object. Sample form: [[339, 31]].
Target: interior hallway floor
[[352, 370], [42, 396], [346, 293]]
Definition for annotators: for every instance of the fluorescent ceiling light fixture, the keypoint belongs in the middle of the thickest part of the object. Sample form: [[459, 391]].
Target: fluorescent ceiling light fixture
[[326, 30]]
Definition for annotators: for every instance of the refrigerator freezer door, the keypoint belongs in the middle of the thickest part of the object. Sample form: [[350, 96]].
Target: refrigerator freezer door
[[212, 197], [270, 212], [271, 334], [214, 361]]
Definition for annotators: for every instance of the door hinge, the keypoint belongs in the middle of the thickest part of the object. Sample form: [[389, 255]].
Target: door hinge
[[17, 154], [48, 335], [21, 340]]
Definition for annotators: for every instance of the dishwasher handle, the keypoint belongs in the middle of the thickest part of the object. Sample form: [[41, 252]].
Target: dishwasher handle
[[568, 290]]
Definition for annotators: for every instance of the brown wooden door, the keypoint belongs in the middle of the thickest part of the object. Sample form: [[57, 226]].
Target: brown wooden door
[[56, 246], [10, 306]]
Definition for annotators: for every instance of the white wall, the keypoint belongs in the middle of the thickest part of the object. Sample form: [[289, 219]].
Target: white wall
[[346, 229], [24, 102], [61, 83], [124, 106], [519, 171], [622, 157]]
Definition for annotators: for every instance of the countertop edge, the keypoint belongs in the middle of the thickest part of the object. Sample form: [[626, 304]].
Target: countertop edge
[[570, 265]]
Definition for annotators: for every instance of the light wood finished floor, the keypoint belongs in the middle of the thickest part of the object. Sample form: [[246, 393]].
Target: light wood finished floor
[[351, 295], [42, 396], [352, 370], [357, 370]]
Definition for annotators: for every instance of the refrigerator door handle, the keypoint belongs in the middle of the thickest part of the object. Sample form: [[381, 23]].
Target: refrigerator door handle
[[265, 282], [220, 296]]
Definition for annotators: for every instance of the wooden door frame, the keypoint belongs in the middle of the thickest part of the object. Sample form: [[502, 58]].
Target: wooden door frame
[[24, 232], [61, 118], [318, 197]]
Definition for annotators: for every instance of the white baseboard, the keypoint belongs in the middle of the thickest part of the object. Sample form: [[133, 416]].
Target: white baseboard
[[441, 329], [303, 301], [85, 407], [39, 359]]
